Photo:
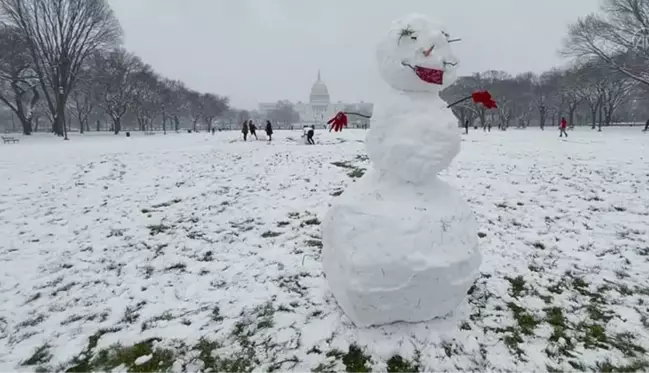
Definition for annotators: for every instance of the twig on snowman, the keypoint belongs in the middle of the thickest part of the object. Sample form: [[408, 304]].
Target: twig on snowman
[[479, 97]]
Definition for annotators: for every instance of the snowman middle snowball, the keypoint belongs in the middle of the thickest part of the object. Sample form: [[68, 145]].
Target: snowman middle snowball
[[400, 244]]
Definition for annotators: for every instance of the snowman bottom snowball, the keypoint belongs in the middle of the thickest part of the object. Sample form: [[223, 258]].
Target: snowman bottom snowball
[[399, 253]]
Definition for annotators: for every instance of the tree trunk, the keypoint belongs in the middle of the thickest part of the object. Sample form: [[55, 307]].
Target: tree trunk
[[571, 115], [542, 115], [98, 125], [26, 123], [58, 124], [608, 116], [117, 124]]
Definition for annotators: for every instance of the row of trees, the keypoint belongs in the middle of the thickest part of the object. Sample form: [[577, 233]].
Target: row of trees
[[607, 80], [61, 61]]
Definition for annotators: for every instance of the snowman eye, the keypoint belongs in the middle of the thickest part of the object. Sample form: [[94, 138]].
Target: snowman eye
[[407, 32]]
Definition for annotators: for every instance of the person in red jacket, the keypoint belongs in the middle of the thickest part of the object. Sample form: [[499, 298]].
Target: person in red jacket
[[562, 127]]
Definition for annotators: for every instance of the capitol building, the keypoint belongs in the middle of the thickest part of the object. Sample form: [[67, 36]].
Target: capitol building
[[320, 109]]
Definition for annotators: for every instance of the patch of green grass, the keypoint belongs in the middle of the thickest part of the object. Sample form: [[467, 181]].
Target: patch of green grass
[[345, 164], [157, 229], [517, 286], [314, 243], [313, 221], [635, 366], [161, 359], [356, 173], [167, 204], [178, 266], [512, 341], [269, 234], [40, 356], [526, 322], [397, 364], [215, 363], [34, 321], [355, 360], [538, 245]]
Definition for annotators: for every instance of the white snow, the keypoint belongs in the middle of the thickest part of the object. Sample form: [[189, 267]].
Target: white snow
[[143, 359], [402, 245], [145, 237]]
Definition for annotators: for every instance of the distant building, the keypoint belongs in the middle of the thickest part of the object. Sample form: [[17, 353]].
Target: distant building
[[320, 109]]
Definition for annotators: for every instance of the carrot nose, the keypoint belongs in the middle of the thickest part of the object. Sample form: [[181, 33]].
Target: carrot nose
[[428, 51]]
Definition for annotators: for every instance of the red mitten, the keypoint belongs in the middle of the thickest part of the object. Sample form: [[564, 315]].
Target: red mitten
[[484, 98], [338, 122]]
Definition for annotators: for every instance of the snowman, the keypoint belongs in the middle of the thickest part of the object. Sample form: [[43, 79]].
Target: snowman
[[400, 244]]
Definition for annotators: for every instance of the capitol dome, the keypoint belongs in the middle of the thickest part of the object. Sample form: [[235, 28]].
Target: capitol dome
[[319, 93]]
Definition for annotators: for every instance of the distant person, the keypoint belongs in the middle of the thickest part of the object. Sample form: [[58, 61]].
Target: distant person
[[269, 131], [253, 129], [309, 134], [646, 126], [466, 126], [244, 130], [213, 131], [562, 127]]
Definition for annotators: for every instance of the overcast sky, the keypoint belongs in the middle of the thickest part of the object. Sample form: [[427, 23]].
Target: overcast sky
[[265, 50]]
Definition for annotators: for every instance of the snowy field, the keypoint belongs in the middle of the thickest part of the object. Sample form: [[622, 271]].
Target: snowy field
[[192, 251]]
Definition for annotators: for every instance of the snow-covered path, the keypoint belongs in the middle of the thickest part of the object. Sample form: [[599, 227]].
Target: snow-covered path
[[204, 251]]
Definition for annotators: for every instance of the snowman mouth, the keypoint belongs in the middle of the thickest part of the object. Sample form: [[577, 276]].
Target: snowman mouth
[[428, 75]]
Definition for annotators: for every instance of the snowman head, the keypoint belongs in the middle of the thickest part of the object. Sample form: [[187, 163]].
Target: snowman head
[[416, 56]]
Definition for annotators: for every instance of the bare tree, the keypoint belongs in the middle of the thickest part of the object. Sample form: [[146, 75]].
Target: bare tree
[[284, 113], [195, 107], [616, 91], [60, 36], [115, 71], [213, 106], [617, 35], [148, 102], [173, 103], [18, 81], [83, 97]]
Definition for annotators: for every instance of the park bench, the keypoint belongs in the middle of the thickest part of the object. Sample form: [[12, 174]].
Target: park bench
[[9, 139]]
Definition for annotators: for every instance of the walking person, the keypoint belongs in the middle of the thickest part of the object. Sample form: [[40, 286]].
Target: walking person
[[466, 127], [244, 130], [562, 127], [309, 135], [646, 126], [269, 131], [253, 129]]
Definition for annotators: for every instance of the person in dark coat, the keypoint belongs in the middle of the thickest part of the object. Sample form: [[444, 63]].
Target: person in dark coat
[[646, 126], [466, 126], [253, 129], [269, 131], [244, 130], [309, 134]]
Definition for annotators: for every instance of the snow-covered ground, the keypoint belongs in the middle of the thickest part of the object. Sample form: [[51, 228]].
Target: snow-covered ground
[[193, 251]]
